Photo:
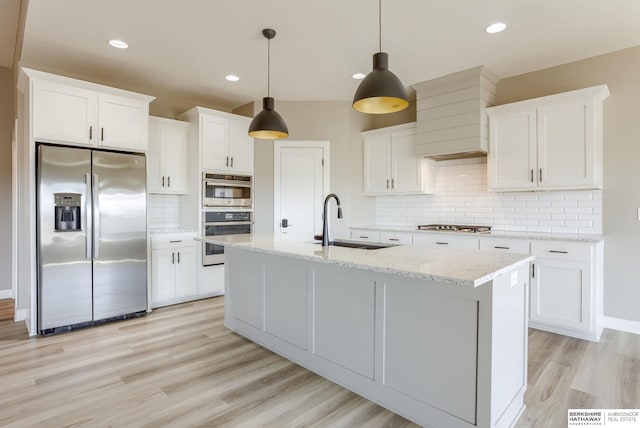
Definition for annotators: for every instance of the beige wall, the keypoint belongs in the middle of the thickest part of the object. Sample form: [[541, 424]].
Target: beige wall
[[333, 121], [621, 195], [6, 131]]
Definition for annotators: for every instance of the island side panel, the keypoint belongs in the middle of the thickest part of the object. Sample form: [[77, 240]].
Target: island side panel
[[430, 344], [344, 317], [244, 301]]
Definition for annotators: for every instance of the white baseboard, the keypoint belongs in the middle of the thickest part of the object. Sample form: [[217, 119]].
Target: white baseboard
[[6, 294], [21, 315], [622, 325]]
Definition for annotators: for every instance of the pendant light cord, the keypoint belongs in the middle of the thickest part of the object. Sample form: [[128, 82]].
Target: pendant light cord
[[380, 25], [268, 66]]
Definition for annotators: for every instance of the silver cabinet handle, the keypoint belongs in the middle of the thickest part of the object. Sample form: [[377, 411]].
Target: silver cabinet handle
[[540, 176], [393, 183], [558, 252], [393, 239], [174, 242], [364, 237], [163, 181], [442, 243], [227, 160], [96, 216], [90, 133], [101, 134], [173, 258], [87, 212], [231, 161], [178, 257], [387, 183], [533, 270], [532, 175], [502, 248], [168, 181]]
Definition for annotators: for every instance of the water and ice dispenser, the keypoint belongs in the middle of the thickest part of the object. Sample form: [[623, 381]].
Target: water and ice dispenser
[[67, 212]]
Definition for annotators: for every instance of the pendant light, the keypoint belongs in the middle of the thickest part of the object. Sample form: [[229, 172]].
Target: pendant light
[[268, 124], [381, 91]]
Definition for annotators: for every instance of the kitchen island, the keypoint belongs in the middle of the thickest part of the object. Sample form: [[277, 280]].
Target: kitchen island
[[438, 336]]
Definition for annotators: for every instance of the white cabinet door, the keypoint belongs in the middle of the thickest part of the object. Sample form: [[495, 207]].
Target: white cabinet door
[[123, 122], [155, 159], [399, 238], [406, 168], [163, 278], [186, 283], [215, 139], [512, 162], [377, 164], [365, 235], [175, 159], [64, 114], [560, 293], [240, 148], [565, 145], [448, 241]]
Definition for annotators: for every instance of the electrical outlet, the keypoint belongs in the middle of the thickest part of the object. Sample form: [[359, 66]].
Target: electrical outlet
[[638, 214], [514, 278]]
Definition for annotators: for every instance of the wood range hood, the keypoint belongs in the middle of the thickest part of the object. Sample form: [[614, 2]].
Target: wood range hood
[[451, 122]]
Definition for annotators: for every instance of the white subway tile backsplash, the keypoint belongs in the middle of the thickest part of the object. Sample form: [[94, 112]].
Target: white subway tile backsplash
[[461, 197], [163, 211]]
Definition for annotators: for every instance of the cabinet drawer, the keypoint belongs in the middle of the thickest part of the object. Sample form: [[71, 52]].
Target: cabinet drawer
[[172, 240], [505, 244], [365, 235], [446, 240], [396, 238], [562, 250]]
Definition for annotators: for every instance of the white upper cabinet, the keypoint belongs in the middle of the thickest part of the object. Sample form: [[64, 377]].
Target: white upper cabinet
[[225, 146], [70, 111], [549, 143], [391, 165], [167, 156]]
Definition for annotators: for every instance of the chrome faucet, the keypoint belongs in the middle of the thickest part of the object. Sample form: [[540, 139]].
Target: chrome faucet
[[325, 220]]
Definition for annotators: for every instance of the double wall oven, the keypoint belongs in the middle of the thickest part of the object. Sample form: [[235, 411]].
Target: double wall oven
[[227, 210]]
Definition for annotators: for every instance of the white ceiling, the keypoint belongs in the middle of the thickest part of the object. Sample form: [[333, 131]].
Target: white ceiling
[[187, 47]]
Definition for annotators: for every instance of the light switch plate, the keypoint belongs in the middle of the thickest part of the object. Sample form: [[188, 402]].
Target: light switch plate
[[638, 214]]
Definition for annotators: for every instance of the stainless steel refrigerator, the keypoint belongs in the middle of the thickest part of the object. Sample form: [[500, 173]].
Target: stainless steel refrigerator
[[91, 232]]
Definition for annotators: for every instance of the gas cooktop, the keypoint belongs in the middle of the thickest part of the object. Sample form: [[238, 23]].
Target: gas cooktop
[[455, 228]]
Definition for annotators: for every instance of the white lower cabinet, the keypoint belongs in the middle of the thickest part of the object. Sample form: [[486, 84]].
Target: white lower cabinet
[[566, 288], [173, 268], [566, 291]]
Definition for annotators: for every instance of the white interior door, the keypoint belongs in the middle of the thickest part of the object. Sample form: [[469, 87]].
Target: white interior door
[[300, 184]]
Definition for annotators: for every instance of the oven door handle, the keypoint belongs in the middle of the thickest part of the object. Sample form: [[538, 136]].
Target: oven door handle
[[227, 223], [226, 183]]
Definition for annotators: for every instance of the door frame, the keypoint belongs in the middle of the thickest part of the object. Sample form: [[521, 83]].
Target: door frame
[[301, 144]]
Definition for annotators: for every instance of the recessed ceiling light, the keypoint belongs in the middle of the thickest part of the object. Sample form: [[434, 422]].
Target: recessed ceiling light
[[495, 28], [232, 77], [359, 76], [118, 44]]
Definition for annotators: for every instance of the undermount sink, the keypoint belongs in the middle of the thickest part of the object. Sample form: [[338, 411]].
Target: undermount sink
[[360, 245]]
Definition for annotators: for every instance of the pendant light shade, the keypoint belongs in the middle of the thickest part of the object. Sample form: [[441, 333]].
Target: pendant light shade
[[268, 124], [381, 92]]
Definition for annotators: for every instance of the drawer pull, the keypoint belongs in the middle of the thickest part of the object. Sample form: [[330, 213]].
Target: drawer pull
[[442, 243], [559, 252], [174, 242], [393, 239], [364, 237], [502, 248]]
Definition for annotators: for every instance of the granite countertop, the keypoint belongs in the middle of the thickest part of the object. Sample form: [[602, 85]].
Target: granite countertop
[[493, 234], [436, 264]]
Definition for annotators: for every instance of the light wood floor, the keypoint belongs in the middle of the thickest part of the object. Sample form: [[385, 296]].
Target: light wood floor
[[6, 309], [180, 367]]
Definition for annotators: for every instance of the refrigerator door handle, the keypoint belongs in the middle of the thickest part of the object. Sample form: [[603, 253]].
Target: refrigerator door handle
[[96, 216], [87, 213]]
